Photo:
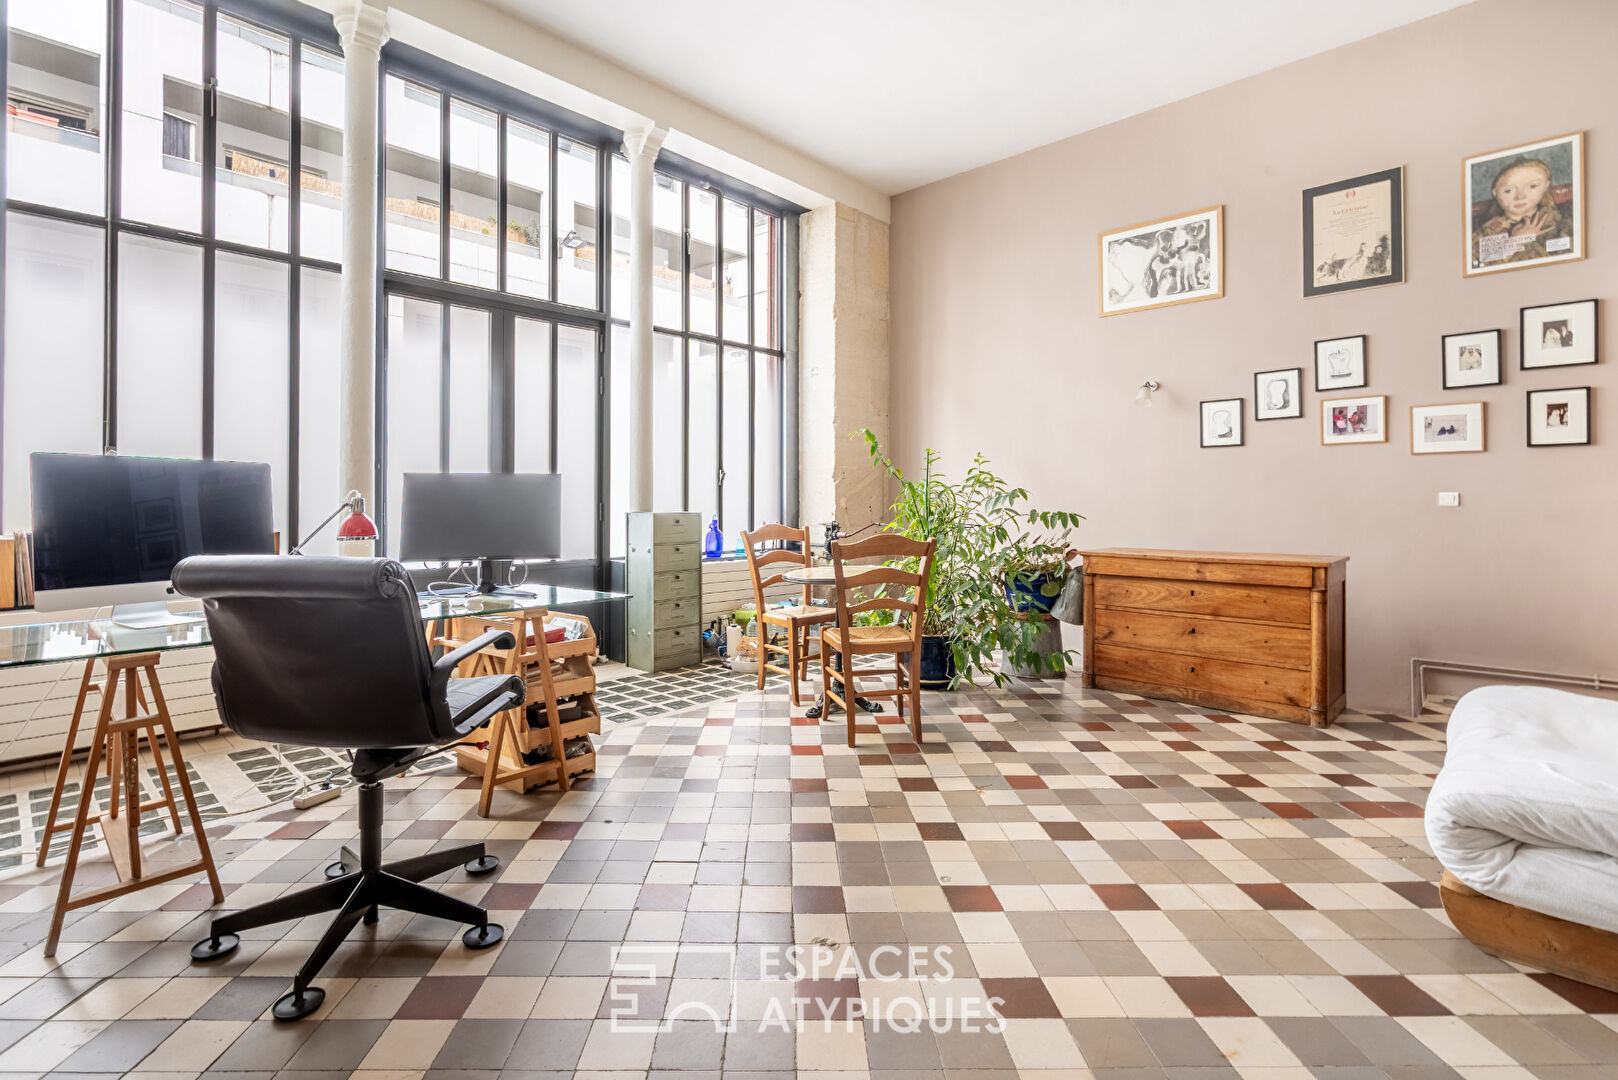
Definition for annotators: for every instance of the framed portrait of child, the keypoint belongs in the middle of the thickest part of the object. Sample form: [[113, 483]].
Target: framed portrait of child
[[1524, 205]]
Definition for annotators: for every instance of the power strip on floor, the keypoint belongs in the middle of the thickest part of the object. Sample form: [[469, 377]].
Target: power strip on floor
[[325, 791]]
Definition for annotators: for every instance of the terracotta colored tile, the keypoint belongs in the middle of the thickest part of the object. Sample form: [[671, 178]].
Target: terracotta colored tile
[[1274, 896], [1131, 781], [874, 760], [1066, 830], [1276, 744], [903, 748], [800, 750], [1397, 995], [1368, 809], [1026, 783], [1192, 830], [718, 721], [1241, 780], [1423, 894], [1210, 995], [972, 898], [818, 900], [1180, 725], [555, 830], [1180, 744], [939, 830], [1097, 725], [806, 783], [1592, 999], [917, 783], [1124, 897], [1025, 999], [1287, 810], [439, 997], [1343, 779]]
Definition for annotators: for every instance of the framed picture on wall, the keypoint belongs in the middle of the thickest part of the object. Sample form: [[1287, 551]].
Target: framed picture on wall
[[1470, 359], [1353, 420], [1354, 233], [1173, 260], [1447, 429], [1340, 363], [1558, 335], [1278, 395], [1559, 417], [1222, 422], [1524, 205]]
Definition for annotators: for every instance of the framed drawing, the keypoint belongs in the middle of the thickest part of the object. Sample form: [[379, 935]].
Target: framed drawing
[[1353, 420], [1278, 395], [1559, 417], [1524, 205], [1354, 233], [1446, 429], [1222, 422], [1170, 261], [1340, 363], [1470, 359], [1558, 335]]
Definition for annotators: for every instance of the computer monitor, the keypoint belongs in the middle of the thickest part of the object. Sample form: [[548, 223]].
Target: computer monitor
[[482, 517], [108, 530]]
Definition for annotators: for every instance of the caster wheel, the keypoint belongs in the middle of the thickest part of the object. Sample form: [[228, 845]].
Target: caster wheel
[[481, 937], [337, 869], [483, 864], [298, 1004], [215, 948]]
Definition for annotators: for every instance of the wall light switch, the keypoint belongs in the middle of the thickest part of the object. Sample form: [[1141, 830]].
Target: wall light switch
[[1449, 498]]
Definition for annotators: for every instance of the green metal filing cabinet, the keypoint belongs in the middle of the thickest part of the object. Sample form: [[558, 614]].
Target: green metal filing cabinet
[[664, 579]]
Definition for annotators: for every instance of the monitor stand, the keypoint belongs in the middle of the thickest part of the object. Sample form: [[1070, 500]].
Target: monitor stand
[[487, 586], [151, 615]]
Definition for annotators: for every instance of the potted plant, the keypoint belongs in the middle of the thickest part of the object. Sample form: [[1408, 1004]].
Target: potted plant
[[987, 537]]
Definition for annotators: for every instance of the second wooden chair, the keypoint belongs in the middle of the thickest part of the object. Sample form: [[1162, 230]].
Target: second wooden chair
[[797, 621]]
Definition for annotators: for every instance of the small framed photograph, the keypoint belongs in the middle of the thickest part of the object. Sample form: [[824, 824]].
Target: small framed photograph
[[1471, 359], [1354, 233], [1447, 429], [1353, 420], [1558, 335], [1559, 417], [1222, 422], [1340, 364], [1173, 260], [1524, 205], [1278, 395]]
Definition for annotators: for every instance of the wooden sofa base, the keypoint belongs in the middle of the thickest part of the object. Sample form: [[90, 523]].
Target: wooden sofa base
[[1529, 937]]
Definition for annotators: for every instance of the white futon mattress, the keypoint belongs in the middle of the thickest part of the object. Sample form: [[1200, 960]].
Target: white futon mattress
[[1525, 809]]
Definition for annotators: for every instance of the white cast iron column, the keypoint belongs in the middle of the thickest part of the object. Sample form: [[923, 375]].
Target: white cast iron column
[[641, 146]]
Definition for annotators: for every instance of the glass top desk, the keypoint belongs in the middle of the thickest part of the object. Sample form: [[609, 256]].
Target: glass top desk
[[92, 639]]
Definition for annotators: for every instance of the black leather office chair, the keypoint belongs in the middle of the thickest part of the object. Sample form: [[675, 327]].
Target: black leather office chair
[[332, 652]]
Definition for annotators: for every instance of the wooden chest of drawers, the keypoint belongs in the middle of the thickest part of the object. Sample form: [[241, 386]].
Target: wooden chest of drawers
[[1259, 634]]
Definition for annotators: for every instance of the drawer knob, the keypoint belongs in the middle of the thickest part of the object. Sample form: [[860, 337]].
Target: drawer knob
[[1192, 630], [1193, 668]]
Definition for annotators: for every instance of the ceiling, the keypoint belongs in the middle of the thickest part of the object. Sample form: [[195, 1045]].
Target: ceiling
[[898, 93]]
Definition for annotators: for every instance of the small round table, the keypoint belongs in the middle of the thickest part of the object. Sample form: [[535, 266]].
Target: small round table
[[823, 575]]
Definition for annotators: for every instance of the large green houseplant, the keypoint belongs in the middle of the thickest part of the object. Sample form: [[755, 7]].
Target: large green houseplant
[[987, 535]]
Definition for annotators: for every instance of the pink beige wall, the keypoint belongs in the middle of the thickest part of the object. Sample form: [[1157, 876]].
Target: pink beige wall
[[997, 345]]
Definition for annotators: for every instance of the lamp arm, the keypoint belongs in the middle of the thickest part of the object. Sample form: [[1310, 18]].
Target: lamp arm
[[346, 504]]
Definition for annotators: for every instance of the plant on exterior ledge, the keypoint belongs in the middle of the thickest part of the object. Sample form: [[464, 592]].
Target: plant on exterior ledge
[[986, 536]]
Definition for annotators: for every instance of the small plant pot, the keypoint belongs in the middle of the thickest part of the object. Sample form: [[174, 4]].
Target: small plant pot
[[937, 662], [1030, 595]]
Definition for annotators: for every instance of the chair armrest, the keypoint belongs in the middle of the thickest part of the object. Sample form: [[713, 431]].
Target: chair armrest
[[445, 666]]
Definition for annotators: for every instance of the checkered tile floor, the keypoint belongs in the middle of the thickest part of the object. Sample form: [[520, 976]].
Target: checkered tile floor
[[1149, 892]]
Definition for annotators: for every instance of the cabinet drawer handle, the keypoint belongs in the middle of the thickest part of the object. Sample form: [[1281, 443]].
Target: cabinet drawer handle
[[1193, 669], [1192, 630]]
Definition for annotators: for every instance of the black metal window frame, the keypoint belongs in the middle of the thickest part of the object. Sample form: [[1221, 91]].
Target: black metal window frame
[[784, 229], [301, 27]]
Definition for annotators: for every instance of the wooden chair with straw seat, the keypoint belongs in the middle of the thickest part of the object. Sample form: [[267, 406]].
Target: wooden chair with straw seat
[[902, 641], [797, 621]]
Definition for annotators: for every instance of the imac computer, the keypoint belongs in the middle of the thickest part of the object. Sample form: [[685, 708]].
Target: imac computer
[[108, 530], [481, 517]]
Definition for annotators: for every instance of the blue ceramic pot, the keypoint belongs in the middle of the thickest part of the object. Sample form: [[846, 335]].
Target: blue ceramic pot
[[1027, 595]]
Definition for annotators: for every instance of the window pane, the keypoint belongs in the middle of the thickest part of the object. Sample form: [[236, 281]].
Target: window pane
[[55, 68], [668, 252], [668, 421], [251, 369], [528, 210], [618, 452], [253, 157], [576, 223], [766, 281], [162, 103], [704, 252], [738, 421], [620, 238], [734, 281], [412, 186], [532, 354], [702, 435], [576, 383], [474, 136], [320, 216], [160, 347], [53, 344], [767, 449], [320, 476], [468, 390], [414, 374]]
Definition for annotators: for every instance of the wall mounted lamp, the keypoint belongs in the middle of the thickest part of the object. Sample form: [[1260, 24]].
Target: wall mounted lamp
[[1143, 396]]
